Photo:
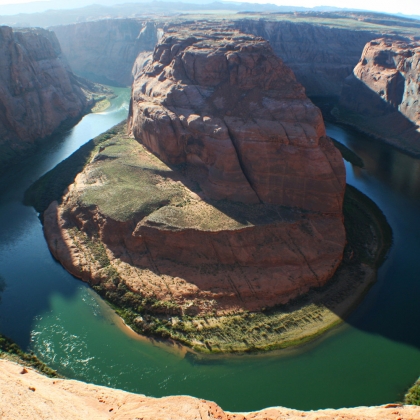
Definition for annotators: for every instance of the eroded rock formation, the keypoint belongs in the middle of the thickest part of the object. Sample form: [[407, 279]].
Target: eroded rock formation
[[38, 91], [105, 50], [31, 395], [226, 105], [382, 95], [241, 208]]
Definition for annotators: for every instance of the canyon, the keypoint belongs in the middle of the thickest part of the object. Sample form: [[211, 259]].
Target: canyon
[[38, 92], [321, 49], [105, 51], [243, 208], [193, 225], [185, 251]]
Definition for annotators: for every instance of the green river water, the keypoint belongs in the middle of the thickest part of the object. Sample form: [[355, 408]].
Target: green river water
[[370, 359]]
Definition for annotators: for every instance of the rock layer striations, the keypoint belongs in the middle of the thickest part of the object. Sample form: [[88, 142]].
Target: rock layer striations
[[38, 91], [231, 202], [320, 56], [224, 104], [382, 95]]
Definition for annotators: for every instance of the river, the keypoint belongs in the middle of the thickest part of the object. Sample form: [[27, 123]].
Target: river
[[370, 359]]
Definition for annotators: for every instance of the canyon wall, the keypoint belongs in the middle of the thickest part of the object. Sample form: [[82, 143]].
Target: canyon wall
[[38, 91], [27, 394], [104, 51], [320, 56], [382, 95]]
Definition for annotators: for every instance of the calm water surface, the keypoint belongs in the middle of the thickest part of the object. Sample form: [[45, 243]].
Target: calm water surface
[[371, 359]]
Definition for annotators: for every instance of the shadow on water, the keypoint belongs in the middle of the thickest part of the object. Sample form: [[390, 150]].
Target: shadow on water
[[391, 179], [365, 108], [31, 274]]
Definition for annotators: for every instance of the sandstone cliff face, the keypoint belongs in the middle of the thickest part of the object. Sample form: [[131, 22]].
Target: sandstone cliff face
[[31, 395], [38, 92], [321, 57], [104, 51], [383, 94], [226, 105]]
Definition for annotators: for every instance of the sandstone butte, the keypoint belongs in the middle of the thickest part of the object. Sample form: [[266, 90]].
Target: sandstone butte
[[38, 91], [381, 96], [25, 394], [232, 201]]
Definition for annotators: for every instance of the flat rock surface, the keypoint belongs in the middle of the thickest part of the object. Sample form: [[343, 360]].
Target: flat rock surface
[[34, 396]]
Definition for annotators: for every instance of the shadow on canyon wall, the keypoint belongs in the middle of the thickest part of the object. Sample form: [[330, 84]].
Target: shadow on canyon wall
[[365, 109]]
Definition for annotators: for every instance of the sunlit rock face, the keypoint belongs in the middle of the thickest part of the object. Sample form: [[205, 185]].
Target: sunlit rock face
[[38, 91], [226, 105]]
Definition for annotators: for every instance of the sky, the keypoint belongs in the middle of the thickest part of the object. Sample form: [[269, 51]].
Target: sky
[[407, 7]]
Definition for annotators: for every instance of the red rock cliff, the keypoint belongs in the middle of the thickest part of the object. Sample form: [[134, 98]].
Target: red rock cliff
[[320, 56], [37, 89], [226, 105]]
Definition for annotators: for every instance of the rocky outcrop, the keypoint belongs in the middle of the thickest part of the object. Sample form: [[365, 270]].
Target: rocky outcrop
[[241, 210], [224, 104], [382, 95], [104, 51], [320, 56], [38, 92], [27, 394], [167, 241]]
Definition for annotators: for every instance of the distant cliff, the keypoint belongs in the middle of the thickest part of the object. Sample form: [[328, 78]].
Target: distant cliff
[[38, 92], [382, 94], [321, 57], [104, 51]]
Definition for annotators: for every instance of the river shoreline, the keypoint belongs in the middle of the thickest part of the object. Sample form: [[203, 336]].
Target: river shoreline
[[279, 327], [327, 307], [332, 113]]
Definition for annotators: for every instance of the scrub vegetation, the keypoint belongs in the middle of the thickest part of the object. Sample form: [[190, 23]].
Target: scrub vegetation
[[11, 351], [413, 394], [369, 238]]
